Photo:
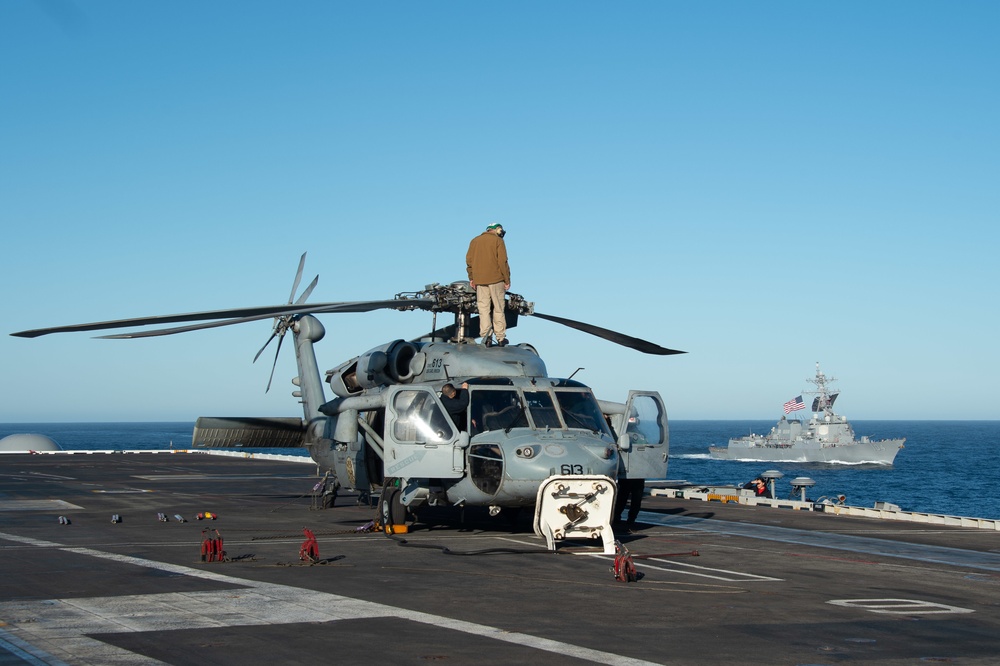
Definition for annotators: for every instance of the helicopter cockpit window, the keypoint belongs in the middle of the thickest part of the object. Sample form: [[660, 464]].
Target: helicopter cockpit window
[[419, 419], [543, 411], [496, 410], [580, 410]]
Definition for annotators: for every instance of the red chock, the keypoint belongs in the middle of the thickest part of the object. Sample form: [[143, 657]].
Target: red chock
[[309, 552]]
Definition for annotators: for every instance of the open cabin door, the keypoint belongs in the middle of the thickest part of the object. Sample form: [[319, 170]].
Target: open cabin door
[[420, 439], [643, 436]]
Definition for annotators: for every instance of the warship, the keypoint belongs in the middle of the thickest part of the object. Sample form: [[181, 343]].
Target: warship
[[825, 437]]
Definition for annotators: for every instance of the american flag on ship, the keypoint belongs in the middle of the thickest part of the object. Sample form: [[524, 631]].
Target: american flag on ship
[[794, 404]]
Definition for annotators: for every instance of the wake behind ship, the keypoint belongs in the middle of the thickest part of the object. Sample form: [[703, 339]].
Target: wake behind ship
[[826, 437]]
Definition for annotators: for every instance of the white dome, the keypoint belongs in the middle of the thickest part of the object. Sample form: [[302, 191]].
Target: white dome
[[28, 442]]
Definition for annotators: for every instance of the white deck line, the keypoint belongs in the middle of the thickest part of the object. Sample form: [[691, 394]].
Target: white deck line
[[204, 452], [60, 626]]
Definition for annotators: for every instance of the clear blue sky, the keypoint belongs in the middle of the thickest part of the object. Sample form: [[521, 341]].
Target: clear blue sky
[[762, 184]]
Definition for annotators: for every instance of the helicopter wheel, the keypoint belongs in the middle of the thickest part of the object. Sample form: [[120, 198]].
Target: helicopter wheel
[[392, 509]]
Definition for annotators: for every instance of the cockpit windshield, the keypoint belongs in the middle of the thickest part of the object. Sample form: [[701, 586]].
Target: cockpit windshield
[[541, 409], [496, 409], [580, 410]]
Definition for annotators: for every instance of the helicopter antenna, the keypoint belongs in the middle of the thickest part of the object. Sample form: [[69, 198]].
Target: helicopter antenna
[[574, 373]]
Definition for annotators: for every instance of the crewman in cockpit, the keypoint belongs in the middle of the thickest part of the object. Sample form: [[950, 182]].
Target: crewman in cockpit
[[456, 401]]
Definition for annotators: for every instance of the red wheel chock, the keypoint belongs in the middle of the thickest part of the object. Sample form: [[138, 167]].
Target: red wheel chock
[[624, 567], [309, 552], [211, 547]]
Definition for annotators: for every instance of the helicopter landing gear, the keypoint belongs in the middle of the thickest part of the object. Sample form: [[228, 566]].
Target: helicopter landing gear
[[391, 509]]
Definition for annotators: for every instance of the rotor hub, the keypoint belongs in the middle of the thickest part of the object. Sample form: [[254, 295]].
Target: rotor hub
[[457, 298]]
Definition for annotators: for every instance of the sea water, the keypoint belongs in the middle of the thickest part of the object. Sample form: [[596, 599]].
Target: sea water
[[947, 467]]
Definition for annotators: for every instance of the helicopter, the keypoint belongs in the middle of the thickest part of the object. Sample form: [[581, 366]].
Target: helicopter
[[387, 431]]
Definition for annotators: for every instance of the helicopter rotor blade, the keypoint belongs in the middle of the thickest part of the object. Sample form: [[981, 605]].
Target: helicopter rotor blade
[[262, 312], [322, 308], [273, 336], [181, 329], [638, 344], [309, 290], [298, 277], [275, 364], [231, 316], [368, 306]]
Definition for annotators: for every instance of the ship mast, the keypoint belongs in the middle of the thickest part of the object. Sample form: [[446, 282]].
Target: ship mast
[[824, 401]]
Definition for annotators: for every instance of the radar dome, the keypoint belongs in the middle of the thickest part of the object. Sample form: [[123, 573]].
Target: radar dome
[[27, 442]]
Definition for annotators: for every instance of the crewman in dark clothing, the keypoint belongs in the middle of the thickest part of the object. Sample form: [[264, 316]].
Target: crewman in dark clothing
[[758, 487], [456, 401], [630, 491]]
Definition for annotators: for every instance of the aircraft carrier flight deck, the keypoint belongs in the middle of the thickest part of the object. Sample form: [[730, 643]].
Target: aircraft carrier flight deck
[[98, 568]]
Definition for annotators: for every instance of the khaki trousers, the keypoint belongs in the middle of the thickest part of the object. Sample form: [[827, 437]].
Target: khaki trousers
[[487, 295]]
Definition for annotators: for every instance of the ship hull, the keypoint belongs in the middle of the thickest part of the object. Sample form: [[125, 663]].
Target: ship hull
[[757, 449]]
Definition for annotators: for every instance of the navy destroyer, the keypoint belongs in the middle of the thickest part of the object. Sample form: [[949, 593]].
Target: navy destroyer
[[826, 437]]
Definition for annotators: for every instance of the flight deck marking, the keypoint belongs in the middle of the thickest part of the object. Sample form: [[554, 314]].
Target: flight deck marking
[[881, 547], [732, 577], [29, 654], [36, 505], [51, 476], [899, 606], [60, 626]]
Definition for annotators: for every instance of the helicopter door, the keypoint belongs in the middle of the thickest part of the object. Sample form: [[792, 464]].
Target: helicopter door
[[644, 441], [420, 439]]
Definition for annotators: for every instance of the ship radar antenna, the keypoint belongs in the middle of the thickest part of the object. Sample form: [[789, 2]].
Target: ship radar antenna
[[824, 400]]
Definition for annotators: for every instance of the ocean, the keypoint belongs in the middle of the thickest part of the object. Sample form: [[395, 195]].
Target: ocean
[[948, 467]]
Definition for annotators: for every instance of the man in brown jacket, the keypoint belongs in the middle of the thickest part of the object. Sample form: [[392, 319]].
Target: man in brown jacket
[[489, 275]]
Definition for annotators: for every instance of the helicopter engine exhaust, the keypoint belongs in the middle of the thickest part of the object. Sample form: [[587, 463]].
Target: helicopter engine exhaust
[[387, 364]]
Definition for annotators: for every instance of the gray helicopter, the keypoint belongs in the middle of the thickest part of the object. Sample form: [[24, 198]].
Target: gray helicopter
[[387, 430]]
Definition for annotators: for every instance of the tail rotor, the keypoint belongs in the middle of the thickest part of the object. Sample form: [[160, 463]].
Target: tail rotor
[[284, 322]]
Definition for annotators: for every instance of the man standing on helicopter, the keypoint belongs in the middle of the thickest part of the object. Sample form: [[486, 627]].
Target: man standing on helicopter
[[489, 275]]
